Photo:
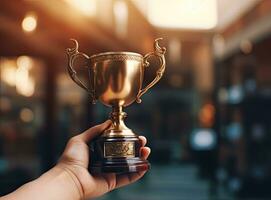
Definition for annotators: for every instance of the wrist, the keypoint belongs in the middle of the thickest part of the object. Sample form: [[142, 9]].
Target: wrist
[[63, 180]]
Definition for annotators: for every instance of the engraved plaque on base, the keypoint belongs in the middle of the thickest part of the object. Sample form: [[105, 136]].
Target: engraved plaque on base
[[119, 149]]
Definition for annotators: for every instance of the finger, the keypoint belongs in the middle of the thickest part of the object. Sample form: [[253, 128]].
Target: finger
[[145, 152], [125, 179], [143, 140], [93, 132]]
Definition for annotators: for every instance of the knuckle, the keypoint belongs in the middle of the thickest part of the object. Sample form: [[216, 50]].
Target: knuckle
[[73, 140]]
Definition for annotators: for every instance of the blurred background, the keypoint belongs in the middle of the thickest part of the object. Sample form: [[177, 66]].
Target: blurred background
[[207, 121]]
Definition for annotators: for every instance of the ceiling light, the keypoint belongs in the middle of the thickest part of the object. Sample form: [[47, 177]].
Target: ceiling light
[[183, 14]]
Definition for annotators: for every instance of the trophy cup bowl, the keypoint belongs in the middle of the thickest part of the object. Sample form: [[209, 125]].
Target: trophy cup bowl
[[115, 79], [118, 77]]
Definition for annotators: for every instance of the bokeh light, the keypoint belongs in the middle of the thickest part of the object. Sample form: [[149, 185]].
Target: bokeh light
[[29, 23], [26, 115]]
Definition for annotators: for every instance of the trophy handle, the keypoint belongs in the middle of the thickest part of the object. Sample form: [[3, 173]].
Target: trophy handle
[[73, 53], [160, 53]]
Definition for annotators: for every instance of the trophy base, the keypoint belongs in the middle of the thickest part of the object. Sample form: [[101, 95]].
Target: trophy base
[[121, 166], [117, 155]]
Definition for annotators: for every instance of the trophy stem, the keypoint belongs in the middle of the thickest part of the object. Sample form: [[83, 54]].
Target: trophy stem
[[117, 116], [118, 127]]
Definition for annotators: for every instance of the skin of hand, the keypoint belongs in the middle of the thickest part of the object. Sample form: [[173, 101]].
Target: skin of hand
[[70, 178]]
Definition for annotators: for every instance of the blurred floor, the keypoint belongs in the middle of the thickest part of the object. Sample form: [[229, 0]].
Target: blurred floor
[[166, 182]]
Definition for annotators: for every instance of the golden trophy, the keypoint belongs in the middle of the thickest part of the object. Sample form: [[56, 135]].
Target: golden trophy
[[115, 79]]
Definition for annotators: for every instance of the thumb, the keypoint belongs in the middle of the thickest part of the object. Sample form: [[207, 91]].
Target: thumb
[[91, 133]]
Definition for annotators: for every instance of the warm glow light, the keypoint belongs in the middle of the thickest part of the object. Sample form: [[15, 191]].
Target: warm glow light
[[5, 104], [8, 70], [218, 45], [246, 46], [185, 14], [25, 62], [87, 7], [29, 22], [206, 115], [25, 84], [26, 115], [175, 50], [18, 75], [121, 17]]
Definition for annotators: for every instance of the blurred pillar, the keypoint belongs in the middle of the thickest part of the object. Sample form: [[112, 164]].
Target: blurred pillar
[[203, 63], [47, 134]]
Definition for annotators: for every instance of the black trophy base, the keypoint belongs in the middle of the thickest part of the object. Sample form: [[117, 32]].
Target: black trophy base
[[117, 155]]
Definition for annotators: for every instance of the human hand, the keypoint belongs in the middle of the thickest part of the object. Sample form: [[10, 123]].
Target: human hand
[[70, 178], [75, 162]]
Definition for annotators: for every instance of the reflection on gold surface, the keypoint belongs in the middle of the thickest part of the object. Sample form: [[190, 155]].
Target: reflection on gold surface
[[118, 82]]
